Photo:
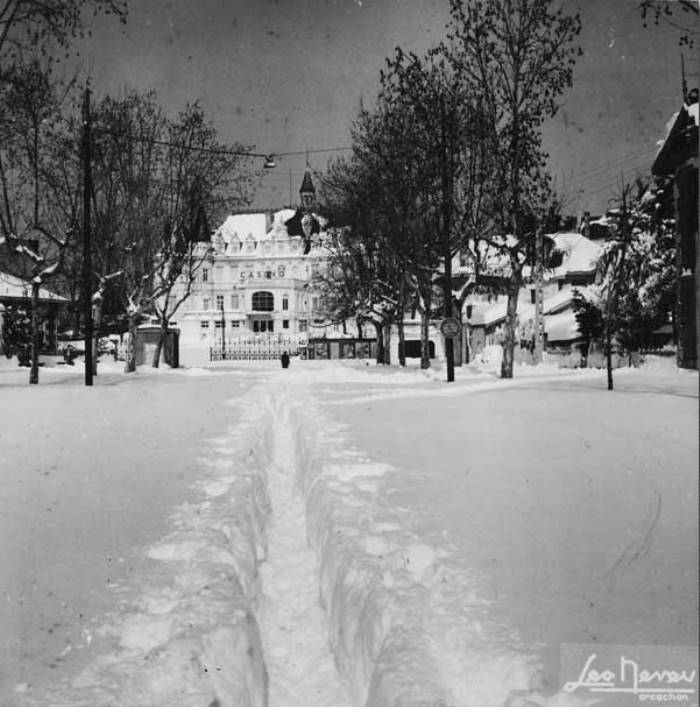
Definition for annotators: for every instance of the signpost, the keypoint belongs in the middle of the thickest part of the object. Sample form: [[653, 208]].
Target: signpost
[[450, 327]]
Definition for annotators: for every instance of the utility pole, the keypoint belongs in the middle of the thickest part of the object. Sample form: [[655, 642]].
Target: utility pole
[[447, 177], [539, 296], [87, 260]]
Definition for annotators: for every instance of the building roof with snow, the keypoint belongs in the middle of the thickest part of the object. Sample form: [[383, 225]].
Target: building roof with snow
[[13, 288], [681, 140], [579, 254]]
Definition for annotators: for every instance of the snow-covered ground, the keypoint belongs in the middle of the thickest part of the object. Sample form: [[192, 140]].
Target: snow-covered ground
[[338, 534]]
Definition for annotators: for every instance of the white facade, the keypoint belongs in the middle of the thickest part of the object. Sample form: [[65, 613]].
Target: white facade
[[254, 284]]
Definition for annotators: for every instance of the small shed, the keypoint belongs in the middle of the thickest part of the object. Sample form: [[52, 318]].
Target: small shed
[[147, 339]]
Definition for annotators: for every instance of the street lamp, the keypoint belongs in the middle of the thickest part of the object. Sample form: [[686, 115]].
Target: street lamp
[[223, 332]]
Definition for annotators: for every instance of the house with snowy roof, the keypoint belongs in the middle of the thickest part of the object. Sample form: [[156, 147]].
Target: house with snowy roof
[[572, 262], [677, 159], [16, 293], [15, 298]]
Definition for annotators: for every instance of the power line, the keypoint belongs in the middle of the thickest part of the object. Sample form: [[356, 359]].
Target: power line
[[241, 153], [634, 155]]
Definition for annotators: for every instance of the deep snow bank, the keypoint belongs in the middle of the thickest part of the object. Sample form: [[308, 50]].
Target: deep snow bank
[[369, 574], [184, 631]]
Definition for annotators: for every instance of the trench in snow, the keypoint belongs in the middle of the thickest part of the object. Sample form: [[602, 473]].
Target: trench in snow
[[294, 628]]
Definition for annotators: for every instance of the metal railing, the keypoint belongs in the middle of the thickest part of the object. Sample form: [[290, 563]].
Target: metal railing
[[255, 349]]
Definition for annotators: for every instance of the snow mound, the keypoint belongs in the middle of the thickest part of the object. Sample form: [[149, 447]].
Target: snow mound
[[185, 632]]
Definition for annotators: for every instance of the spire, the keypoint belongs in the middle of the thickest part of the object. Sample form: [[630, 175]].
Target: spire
[[307, 191]]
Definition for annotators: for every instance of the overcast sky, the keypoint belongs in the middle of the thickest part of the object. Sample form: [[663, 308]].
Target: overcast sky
[[287, 76]]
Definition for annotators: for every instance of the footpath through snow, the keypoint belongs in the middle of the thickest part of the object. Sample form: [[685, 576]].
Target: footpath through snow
[[295, 635]]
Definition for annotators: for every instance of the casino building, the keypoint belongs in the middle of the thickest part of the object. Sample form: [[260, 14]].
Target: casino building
[[254, 291]]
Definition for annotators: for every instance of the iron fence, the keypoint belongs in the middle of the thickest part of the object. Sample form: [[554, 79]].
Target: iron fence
[[255, 349]]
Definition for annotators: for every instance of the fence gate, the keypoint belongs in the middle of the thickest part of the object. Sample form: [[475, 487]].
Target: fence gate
[[254, 349]]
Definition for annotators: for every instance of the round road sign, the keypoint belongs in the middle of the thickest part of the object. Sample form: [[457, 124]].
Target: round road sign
[[450, 327]]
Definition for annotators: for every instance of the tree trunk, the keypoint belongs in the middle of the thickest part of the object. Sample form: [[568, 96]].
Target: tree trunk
[[380, 342], [34, 370], [386, 334], [402, 338], [130, 361], [97, 328], [424, 339], [459, 339], [509, 330], [160, 342], [608, 356], [94, 355], [159, 347]]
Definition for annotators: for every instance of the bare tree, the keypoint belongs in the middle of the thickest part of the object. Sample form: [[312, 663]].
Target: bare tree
[[680, 14], [519, 55], [35, 220], [157, 180], [202, 178], [26, 25]]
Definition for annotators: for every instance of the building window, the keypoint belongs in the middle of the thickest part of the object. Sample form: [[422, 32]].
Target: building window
[[315, 304], [205, 275], [533, 296], [261, 326], [235, 323], [285, 323], [205, 303], [263, 302], [303, 325], [204, 325], [218, 323], [234, 301], [285, 303], [219, 301]]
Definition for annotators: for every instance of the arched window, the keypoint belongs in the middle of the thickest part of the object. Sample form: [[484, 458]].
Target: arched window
[[285, 302], [263, 302]]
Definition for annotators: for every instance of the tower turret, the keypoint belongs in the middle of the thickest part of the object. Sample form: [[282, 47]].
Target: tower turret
[[307, 191]]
